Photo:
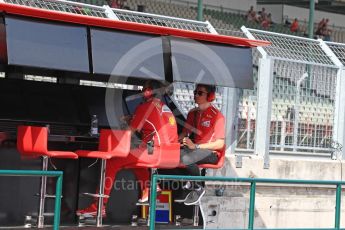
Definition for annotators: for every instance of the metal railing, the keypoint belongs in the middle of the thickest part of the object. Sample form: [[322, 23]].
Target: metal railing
[[63, 6], [58, 189], [253, 182]]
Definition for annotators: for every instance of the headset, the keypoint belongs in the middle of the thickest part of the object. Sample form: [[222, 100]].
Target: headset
[[211, 92]]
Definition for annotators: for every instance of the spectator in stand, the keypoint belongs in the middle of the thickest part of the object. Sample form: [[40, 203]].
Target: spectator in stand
[[251, 15], [266, 22], [323, 30], [121, 4], [294, 26], [113, 3], [320, 27], [262, 15]]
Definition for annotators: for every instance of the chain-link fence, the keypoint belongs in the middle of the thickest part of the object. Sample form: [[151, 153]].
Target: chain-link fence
[[303, 98], [302, 107]]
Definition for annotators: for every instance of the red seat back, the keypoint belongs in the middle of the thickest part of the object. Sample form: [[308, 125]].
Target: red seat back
[[24, 141], [32, 141], [39, 140], [115, 141]]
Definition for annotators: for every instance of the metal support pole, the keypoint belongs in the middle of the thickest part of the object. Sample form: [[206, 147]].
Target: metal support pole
[[297, 109], [57, 202], [153, 197], [252, 205], [196, 215], [101, 194], [311, 19], [40, 217], [339, 108], [200, 11], [283, 135], [339, 113], [230, 110], [153, 171], [264, 108], [337, 207]]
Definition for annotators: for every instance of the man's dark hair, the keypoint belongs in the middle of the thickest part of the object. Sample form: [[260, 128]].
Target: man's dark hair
[[209, 88], [153, 84]]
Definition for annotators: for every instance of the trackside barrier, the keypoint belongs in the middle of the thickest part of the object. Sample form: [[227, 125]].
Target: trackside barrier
[[253, 182], [58, 189]]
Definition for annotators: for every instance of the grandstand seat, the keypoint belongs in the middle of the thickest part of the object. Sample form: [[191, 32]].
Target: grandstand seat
[[112, 143], [32, 142]]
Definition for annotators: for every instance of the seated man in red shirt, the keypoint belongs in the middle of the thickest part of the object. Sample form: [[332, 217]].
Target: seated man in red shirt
[[155, 121], [203, 137]]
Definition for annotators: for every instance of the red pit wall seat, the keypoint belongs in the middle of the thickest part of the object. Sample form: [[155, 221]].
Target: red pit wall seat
[[32, 142], [112, 143]]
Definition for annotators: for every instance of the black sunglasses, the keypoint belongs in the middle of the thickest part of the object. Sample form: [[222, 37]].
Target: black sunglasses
[[199, 92]]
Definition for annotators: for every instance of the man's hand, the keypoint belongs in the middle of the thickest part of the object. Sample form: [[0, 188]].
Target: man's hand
[[189, 143]]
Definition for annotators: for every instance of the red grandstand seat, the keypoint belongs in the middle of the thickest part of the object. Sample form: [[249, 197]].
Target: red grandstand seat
[[32, 142], [112, 143]]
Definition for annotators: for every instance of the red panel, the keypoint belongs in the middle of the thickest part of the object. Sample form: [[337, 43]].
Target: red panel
[[129, 26]]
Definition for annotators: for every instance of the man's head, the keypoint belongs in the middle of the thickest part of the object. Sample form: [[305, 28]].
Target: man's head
[[204, 94], [151, 88]]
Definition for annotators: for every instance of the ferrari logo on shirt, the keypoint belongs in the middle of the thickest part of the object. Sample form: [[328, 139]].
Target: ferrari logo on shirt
[[206, 123], [172, 120]]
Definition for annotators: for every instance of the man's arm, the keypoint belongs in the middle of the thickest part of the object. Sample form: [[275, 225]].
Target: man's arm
[[214, 145]]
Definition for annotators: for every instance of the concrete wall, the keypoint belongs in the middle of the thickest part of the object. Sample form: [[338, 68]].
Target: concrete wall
[[283, 168], [276, 205]]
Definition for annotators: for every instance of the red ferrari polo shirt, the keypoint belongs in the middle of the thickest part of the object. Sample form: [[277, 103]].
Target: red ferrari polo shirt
[[209, 125]]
